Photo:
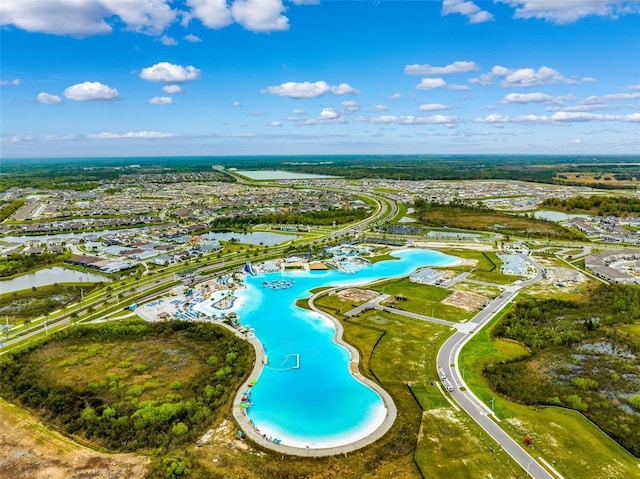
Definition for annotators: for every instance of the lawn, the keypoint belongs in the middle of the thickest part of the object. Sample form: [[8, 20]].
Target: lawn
[[423, 299], [486, 266]]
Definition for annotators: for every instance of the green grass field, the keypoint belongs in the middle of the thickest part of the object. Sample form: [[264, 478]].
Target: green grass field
[[423, 299], [486, 268]]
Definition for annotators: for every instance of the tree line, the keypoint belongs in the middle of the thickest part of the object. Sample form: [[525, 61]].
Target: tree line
[[601, 205]]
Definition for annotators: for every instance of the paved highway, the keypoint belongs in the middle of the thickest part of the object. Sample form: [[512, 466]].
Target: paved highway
[[447, 360]]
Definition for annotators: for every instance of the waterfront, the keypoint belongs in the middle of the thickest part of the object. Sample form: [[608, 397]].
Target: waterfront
[[306, 396]]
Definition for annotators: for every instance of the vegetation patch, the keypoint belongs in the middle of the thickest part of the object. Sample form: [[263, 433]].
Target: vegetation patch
[[20, 263], [582, 357], [458, 215], [131, 385], [442, 453], [596, 205], [41, 301]]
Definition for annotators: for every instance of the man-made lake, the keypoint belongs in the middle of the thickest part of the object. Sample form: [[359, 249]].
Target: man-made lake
[[44, 277], [279, 175], [306, 395], [259, 237]]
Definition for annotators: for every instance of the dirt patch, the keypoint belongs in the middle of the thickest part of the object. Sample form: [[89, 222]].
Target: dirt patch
[[28, 449], [564, 275], [224, 435], [465, 300], [356, 295]]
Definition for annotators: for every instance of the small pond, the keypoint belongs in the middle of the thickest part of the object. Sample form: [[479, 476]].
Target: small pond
[[44, 277]]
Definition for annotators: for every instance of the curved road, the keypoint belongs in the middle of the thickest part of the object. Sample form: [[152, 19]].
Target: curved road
[[447, 360]]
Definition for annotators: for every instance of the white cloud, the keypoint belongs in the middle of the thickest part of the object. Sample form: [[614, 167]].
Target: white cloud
[[91, 91], [275, 123], [86, 17], [430, 83], [172, 89], [458, 87], [170, 73], [260, 15], [529, 77], [467, 8], [192, 38], [499, 119], [380, 107], [527, 98], [48, 98], [168, 41], [148, 16], [107, 135], [80, 18], [343, 89], [526, 77], [632, 87], [562, 12], [433, 107], [351, 105], [329, 114], [14, 82], [594, 99], [412, 120], [308, 89], [558, 117], [455, 67], [235, 104], [395, 96], [576, 116], [161, 100], [297, 111], [212, 13]]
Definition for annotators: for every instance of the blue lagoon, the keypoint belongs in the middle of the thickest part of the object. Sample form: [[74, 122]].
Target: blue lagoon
[[306, 395]]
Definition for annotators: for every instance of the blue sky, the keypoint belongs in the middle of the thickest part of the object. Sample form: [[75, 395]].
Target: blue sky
[[252, 77]]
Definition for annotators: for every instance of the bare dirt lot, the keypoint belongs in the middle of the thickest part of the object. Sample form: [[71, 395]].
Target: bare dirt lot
[[356, 295], [466, 300], [30, 450]]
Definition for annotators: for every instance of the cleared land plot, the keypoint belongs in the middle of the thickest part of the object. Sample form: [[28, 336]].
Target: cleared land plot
[[561, 282], [465, 300], [487, 291], [356, 295], [29, 449]]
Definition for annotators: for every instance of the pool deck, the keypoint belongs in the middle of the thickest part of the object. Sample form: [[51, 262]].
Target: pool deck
[[251, 431]]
